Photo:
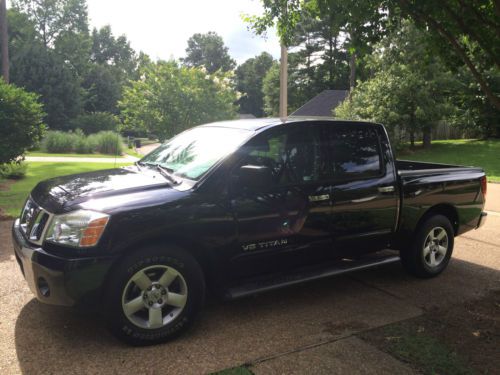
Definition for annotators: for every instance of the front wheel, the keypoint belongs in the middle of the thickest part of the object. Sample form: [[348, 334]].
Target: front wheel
[[154, 295], [432, 247]]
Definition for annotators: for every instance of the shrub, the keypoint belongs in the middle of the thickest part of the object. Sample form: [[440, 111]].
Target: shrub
[[91, 123], [21, 123], [59, 142], [13, 170], [107, 143], [103, 142]]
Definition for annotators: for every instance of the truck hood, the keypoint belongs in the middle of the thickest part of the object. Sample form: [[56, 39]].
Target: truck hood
[[60, 193]]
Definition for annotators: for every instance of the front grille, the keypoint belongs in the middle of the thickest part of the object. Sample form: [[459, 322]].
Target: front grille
[[33, 221]]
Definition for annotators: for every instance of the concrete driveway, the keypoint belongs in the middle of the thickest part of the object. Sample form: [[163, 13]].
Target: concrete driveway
[[304, 329]]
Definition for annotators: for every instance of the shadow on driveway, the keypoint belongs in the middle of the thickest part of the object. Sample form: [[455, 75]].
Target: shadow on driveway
[[57, 340]]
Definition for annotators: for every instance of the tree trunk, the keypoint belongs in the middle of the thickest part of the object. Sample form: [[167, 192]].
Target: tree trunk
[[412, 138], [5, 40], [352, 76], [426, 137]]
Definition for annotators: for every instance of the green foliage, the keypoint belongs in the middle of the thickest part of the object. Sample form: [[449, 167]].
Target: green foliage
[[60, 142], [53, 54], [409, 90], [271, 90], [21, 121], [170, 98], [41, 70], [105, 142], [14, 171], [208, 50], [249, 81], [95, 122]]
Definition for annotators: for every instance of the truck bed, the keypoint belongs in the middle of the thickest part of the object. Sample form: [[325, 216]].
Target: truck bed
[[408, 169]]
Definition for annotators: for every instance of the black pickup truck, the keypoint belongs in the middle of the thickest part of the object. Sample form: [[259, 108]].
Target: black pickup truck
[[239, 207]]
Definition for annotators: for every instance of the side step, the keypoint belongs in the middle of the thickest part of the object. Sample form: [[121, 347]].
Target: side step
[[297, 277]]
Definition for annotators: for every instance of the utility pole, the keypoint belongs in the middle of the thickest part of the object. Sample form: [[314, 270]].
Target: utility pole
[[283, 82], [284, 74], [4, 40]]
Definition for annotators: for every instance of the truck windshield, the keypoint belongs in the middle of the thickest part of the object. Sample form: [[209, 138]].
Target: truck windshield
[[192, 153]]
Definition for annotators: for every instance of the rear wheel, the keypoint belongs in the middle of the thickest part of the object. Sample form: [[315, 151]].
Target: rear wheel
[[432, 247], [154, 295]]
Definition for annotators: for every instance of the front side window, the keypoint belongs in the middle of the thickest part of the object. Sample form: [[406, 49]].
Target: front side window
[[293, 155], [192, 153], [355, 152]]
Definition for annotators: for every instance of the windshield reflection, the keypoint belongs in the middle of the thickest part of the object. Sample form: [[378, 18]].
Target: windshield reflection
[[192, 153]]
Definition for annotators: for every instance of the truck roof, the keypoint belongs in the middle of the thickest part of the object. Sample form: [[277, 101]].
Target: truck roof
[[260, 123]]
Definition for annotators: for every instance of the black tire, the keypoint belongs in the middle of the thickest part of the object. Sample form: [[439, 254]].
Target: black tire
[[155, 261], [418, 258]]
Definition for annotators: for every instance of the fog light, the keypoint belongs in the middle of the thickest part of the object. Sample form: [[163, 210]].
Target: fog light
[[43, 287]]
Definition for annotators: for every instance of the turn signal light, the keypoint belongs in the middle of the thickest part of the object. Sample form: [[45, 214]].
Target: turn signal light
[[93, 232]]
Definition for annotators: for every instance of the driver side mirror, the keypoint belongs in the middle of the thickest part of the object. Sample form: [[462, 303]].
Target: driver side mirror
[[255, 177]]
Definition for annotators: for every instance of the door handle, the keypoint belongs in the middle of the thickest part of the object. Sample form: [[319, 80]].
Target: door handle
[[319, 198], [386, 189]]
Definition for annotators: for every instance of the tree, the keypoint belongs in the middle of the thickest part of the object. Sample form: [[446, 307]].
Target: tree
[[54, 17], [468, 29], [452, 24], [170, 98], [271, 89], [41, 70], [410, 88], [21, 124], [249, 80], [208, 50]]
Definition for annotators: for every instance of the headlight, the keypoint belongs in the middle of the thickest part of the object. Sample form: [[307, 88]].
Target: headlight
[[81, 228]]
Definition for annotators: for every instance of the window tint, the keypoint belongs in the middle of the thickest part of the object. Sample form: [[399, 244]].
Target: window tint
[[293, 155], [355, 152]]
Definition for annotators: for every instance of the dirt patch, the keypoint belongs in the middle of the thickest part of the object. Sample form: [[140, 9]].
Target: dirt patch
[[5, 184], [463, 339], [4, 216]]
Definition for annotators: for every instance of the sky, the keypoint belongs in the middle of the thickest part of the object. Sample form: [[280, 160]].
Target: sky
[[161, 28]]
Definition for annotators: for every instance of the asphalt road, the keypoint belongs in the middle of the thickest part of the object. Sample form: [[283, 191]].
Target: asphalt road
[[293, 330]]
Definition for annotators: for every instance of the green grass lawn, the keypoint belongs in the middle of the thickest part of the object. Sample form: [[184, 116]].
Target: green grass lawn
[[470, 152], [38, 153], [131, 152], [12, 199]]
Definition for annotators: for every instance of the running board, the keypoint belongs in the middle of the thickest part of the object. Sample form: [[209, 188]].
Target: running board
[[261, 286]]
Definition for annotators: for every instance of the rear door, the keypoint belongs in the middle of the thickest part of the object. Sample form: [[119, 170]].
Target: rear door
[[288, 222], [364, 194]]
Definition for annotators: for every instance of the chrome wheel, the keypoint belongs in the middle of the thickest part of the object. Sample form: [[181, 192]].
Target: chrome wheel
[[154, 296], [435, 247]]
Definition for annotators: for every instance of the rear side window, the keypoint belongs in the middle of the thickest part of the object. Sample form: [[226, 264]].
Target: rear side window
[[355, 152]]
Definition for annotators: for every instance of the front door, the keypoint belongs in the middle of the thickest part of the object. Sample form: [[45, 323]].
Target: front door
[[286, 223]]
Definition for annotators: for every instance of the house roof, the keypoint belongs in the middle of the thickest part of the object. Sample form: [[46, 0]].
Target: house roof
[[322, 104]]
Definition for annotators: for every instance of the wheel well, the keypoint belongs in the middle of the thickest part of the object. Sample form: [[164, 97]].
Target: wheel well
[[442, 209], [195, 251]]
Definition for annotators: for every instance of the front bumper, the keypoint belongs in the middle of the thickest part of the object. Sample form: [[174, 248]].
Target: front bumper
[[56, 280]]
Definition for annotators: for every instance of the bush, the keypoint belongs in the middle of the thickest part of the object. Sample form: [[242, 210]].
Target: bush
[[21, 123], [91, 123], [107, 143], [57, 142], [13, 170]]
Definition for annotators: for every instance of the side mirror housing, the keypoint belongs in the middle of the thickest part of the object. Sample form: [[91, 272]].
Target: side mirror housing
[[255, 177]]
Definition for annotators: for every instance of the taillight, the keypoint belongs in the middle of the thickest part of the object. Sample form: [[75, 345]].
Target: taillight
[[484, 185]]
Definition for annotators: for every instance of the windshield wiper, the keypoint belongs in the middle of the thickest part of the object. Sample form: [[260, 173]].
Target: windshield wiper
[[138, 164], [167, 173], [164, 171]]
